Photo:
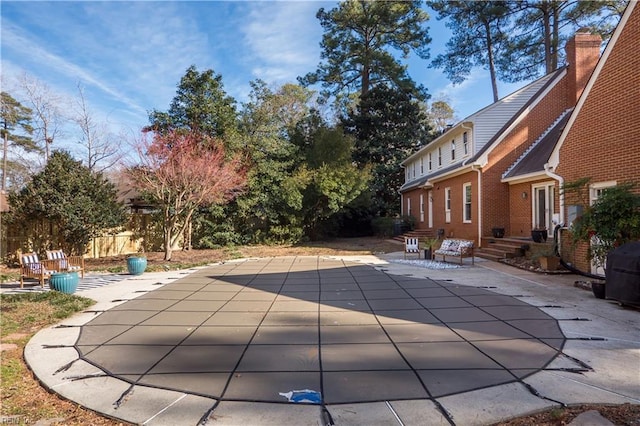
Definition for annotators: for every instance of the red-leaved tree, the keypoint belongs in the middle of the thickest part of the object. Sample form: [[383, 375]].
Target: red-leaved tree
[[182, 172]]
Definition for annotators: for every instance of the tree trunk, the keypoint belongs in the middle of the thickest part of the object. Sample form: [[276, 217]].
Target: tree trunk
[[187, 233], [546, 17], [4, 158], [168, 230], [555, 38], [492, 66]]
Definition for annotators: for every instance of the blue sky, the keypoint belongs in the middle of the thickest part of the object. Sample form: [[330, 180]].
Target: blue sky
[[130, 56]]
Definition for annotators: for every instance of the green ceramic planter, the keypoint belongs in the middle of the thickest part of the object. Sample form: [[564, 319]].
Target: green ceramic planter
[[66, 282], [136, 265]]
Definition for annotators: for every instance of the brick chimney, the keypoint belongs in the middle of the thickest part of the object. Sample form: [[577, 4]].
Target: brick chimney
[[583, 52]]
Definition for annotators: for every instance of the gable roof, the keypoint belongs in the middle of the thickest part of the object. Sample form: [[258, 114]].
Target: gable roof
[[532, 161], [490, 121], [554, 158], [490, 125]]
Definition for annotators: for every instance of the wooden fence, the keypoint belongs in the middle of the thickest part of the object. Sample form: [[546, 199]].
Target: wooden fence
[[107, 245]]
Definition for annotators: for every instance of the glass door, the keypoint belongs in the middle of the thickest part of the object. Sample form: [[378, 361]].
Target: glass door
[[543, 207]]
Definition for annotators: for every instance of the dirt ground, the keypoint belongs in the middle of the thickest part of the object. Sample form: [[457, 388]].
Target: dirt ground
[[68, 413]]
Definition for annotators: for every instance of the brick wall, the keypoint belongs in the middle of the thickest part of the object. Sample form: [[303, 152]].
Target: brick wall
[[456, 227], [503, 205], [604, 141]]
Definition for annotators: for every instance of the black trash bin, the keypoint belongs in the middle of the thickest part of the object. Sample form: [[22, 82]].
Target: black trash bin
[[623, 274]]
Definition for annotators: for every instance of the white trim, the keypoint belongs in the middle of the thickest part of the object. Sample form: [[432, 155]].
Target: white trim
[[430, 207], [447, 205], [594, 187], [549, 204], [524, 178], [554, 158], [464, 203]]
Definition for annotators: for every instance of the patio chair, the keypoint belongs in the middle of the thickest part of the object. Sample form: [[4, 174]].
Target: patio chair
[[33, 268], [411, 245], [66, 263]]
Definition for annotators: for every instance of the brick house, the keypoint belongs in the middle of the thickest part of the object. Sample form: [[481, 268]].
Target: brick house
[[479, 175], [601, 140]]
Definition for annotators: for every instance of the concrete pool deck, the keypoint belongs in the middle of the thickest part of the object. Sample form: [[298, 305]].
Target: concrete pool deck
[[364, 339]]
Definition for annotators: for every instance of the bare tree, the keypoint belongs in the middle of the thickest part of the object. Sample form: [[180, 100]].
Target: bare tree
[[182, 172], [46, 107], [101, 147]]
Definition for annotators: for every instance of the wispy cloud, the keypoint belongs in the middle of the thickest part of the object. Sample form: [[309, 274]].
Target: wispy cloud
[[458, 94], [284, 37], [14, 38]]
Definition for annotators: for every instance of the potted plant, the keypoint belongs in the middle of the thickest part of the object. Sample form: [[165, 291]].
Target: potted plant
[[549, 262], [546, 258], [136, 264], [539, 234], [598, 289], [64, 282], [429, 245], [497, 232]]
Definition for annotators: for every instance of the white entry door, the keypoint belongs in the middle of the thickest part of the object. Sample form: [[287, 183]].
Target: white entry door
[[543, 206]]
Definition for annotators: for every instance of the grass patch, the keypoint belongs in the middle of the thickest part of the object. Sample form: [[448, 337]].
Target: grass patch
[[22, 315], [9, 277], [27, 313]]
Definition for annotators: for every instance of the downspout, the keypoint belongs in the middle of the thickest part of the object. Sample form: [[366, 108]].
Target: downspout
[[479, 172], [558, 226], [560, 179]]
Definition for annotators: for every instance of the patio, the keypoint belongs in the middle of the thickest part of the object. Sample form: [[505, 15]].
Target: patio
[[350, 343]]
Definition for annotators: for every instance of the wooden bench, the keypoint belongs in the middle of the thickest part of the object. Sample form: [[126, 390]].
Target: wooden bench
[[33, 268], [455, 248], [66, 263]]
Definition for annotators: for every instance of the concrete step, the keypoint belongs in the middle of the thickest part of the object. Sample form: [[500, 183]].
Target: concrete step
[[484, 254], [502, 248]]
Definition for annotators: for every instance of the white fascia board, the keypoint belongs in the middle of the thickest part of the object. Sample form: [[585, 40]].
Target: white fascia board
[[453, 173], [524, 178]]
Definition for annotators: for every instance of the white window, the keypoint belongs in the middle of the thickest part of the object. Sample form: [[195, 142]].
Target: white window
[[430, 164], [414, 169], [466, 191], [596, 190], [408, 206], [465, 143], [453, 150], [447, 205], [421, 166], [439, 156], [421, 207]]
